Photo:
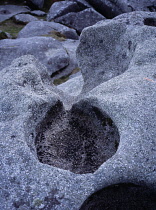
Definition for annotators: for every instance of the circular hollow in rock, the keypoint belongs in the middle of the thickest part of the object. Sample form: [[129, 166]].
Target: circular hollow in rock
[[122, 197], [79, 140]]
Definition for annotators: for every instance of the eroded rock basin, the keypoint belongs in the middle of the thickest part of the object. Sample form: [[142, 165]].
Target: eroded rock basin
[[79, 140]]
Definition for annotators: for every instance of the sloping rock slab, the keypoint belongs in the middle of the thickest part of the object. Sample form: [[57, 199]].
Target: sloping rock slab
[[130, 101], [44, 28], [24, 18], [62, 8], [49, 51], [7, 11], [76, 19]]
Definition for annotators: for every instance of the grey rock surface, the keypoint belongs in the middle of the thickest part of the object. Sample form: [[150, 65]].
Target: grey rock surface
[[61, 8], [138, 18], [7, 11], [106, 48], [130, 101], [44, 28], [27, 105], [49, 51], [25, 182], [76, 19], [24, 18], [73, 86], [38, 13]]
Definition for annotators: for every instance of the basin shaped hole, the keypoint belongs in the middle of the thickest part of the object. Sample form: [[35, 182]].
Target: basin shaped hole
[[126, 196], [79, 140], [150, 21]]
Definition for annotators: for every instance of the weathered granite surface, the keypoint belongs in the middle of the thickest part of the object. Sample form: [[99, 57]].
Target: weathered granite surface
[[27, 104], [57, 150], [107, 47]]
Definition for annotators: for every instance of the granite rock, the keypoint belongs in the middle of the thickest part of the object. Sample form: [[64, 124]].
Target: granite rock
[[44, 28], [106, 48], [49, 51], [25, 182], [132, 109], [27, 105], [73, 86]]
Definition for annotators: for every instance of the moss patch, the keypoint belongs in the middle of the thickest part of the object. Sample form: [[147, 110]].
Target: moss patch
[[11, 27]]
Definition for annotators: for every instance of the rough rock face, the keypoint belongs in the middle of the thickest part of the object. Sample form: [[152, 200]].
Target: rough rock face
[[130, 101], [29, 110], [25, 182], [76, 19], [62, 8], [7, 11], [24, 18], [106, 48], [49, 51], [44, 28]]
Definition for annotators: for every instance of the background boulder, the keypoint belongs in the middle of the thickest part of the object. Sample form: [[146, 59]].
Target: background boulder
[[106, 48], [47, 29], [75, 20], [49, 51]]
